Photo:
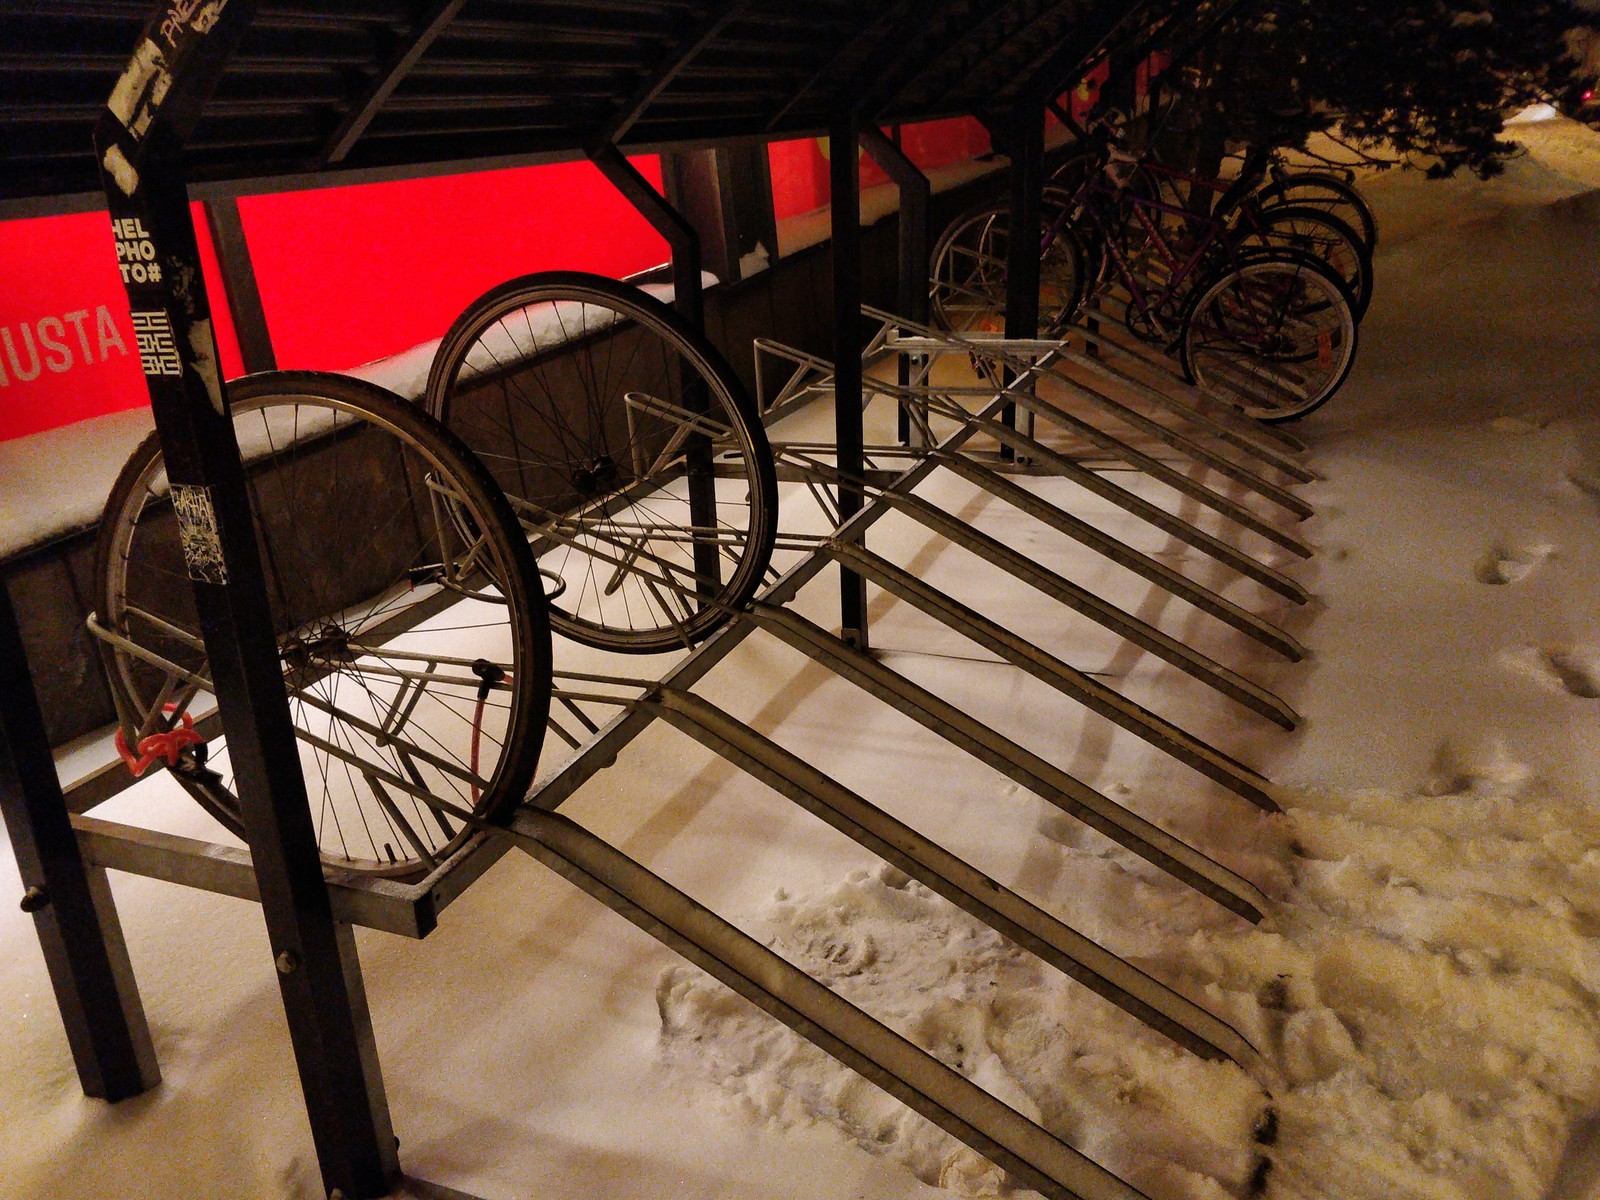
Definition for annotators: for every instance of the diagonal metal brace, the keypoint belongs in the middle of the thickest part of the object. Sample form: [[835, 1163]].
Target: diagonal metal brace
[[1091, 693], [1076, 956], [1129, 830]]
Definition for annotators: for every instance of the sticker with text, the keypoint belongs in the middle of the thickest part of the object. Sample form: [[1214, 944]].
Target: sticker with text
[[197, 527]]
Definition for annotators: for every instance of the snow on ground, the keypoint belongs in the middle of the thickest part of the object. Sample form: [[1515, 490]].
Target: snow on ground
[[1427, 981], [1429, 985]]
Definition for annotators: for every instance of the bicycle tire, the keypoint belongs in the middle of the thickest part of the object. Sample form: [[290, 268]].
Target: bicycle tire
[[1318, 233], [1274, 334], [1329, 193], [394, 568], [604, 416], [969, 267]]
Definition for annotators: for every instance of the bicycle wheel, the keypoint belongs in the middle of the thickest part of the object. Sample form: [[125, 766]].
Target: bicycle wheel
[[1321, 235], [967, 279], [410, 625], [632, 454], [1273, 334], [1328, 193]]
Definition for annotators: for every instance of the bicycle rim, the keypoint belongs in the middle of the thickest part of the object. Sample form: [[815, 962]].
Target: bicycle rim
[[393, 570], [1274, 335], [968, 289], [1325, 238], [632, 455]]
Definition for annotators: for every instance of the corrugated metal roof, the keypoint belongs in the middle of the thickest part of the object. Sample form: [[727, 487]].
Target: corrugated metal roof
[[338, 91]]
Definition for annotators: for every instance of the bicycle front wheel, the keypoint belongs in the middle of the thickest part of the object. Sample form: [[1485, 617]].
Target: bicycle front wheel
[[1273, 334], [633, 456], [410, 626]]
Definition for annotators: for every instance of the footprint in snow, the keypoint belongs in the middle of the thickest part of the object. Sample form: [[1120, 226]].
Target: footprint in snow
[[1511, 564], [1515, 425], [1572, 670], [1577, 669]]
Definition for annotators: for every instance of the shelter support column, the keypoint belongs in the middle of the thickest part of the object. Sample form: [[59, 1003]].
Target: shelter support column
[[844, 187], [916, 195], [71, 903], [139, 141]]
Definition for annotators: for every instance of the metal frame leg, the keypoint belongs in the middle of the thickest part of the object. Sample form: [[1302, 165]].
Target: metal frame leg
[[71, 902]]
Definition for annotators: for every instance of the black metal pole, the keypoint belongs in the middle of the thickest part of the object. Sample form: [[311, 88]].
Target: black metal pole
[[73, 912], [1026, 145], [688, 297], [139, 141], [844, 187], [239, 282], [916, 194]]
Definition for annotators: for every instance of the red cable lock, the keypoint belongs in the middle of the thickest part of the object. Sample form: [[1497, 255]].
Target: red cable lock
[[165, 745]]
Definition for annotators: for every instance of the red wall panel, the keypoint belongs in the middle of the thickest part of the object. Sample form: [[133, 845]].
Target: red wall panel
[[67, 350], [348, 275]]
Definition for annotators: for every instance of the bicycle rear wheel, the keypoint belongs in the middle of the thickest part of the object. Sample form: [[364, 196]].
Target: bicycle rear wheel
[[409, 621], [1328, 193], [633, 456], [1321, 235], [1274, 334]]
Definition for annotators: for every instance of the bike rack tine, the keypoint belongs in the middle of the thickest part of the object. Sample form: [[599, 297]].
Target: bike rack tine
[[1130, 628], [1200, 410], [1141, 564], [1080, 600], [1187, 446], [1129, 830], [1070, 952], [1154, 514], [1042, 357], [1156, 469], [1258, 437], [1069, 681], [1036, 1157], [1212, 414]]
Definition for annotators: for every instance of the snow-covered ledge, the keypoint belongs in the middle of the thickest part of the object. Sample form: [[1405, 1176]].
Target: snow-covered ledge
[[56, 482]]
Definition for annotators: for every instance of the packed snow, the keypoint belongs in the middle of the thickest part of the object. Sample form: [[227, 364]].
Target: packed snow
[[1426, 982]]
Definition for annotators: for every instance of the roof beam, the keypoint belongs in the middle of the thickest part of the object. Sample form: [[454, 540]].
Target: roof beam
[[655, 82], [985, 60], [874, 32], [411, 50]]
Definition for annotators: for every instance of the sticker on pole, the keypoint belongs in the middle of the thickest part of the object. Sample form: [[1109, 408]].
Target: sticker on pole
[[158, 350], [197, 527]]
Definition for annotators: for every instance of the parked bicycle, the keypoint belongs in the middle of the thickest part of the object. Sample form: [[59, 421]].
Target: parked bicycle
[[1257, 298]]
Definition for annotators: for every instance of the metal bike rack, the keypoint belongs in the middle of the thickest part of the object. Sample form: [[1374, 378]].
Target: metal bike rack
[[1163, 377], [309, 909], [599, 715]]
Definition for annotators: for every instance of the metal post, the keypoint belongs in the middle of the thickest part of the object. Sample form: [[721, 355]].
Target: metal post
[[688, 297], [139, 141], [726, 195], [915, 196], [844, 186], [71, 903], [239, 282], [1026, 144]]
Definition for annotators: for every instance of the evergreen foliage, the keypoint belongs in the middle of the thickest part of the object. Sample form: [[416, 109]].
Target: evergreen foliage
[[1431, 80]]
